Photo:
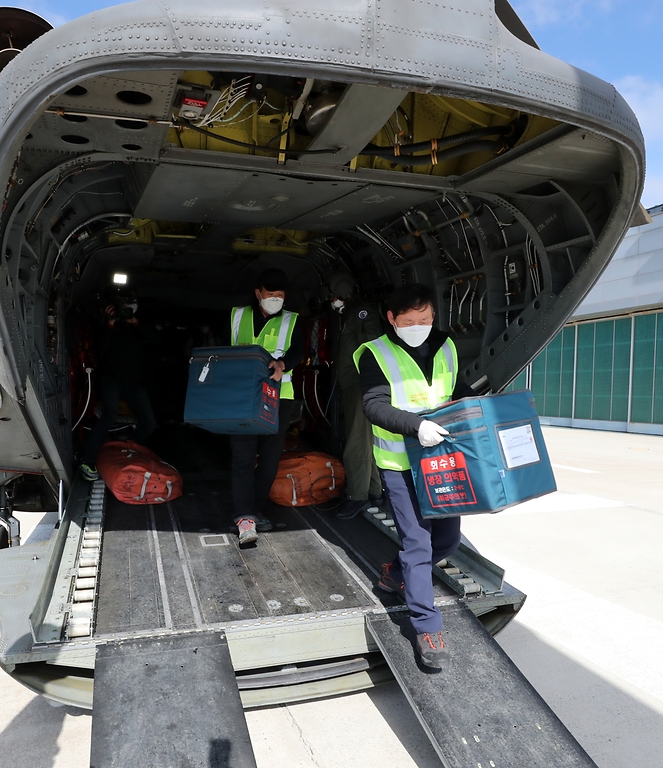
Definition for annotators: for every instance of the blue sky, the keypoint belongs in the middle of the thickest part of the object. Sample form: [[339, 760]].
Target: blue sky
[[621, 41]]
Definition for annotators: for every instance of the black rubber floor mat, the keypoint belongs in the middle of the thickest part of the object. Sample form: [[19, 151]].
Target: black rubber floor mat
[[480, 711], [168, 701]]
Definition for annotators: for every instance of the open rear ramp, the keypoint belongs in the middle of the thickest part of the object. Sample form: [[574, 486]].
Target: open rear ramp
[[481, 712], [168, 701]]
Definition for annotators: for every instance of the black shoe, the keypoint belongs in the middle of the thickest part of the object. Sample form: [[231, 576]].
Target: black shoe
[[263, 525], [432, 650], [380, 502], [388, 583], [89, 471], [351, 509]]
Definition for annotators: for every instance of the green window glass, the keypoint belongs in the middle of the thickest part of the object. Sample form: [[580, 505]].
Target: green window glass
[[658, 371], [539, 381], [602, 377], [644, 343], [620, 369], [520, 382], [553, 376], [566, 383], [585, 371]]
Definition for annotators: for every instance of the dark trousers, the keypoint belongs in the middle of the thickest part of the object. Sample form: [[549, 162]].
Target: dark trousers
[[255, 462], [112, 391], [361, 474], [425, 543]]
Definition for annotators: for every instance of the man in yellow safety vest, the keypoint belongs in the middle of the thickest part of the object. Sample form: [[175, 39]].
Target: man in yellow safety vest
[[255, 458], [410, 369]]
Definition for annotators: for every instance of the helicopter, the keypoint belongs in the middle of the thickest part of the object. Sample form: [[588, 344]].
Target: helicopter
[[184, 149]]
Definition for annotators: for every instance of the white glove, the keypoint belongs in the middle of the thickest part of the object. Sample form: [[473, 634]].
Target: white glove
[[431, 434]]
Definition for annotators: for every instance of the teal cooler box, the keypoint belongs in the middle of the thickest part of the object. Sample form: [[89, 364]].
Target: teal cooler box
[[230, 391], [496, 457]]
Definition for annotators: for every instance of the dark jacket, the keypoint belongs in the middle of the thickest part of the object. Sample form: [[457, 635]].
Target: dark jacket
[[124, 351], [360, 322], [376, 390]]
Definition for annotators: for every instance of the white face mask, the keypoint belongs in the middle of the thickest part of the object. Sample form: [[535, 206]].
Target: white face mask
[[413, 335], [272, 304], [338, 305]]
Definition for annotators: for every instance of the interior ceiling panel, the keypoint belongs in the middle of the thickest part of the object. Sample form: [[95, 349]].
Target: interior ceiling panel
[[241, 199], [135, 138], [576, 156], [362, 206], [148, 94]]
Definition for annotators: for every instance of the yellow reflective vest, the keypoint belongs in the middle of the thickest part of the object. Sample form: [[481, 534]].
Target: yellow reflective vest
[[410, 391], [275, 337]]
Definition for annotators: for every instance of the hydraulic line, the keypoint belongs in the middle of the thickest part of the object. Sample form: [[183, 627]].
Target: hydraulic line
[[475, 280], [433, 157], [88, 370], [317, 400], [530, 252], [432, 145], [246, 145], [460, 307], [462, 215], [500, 225], [507, 295], [481, 300]]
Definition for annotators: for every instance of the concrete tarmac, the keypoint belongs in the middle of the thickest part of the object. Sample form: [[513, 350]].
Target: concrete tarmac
[[589, 638]]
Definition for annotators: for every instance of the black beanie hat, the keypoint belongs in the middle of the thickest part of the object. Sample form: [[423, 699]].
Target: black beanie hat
[[272, 279]]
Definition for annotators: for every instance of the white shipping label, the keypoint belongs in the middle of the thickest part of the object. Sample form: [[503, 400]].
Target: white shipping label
[[519, 446], [203, 373]]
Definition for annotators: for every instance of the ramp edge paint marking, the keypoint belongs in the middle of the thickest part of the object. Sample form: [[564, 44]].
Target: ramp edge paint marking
[[168, 619], [186, 569]]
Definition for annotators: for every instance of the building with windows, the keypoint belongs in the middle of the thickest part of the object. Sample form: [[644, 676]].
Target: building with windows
[[604, 369]]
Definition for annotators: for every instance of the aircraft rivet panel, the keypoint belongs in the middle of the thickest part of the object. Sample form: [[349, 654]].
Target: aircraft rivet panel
[[138, 96], [71, 133]]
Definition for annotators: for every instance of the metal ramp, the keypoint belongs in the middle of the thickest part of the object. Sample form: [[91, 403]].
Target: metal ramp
[[168, 702], [481, 712]]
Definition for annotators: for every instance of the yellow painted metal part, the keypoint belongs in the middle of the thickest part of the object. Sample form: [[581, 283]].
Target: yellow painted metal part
[[270, 240], [146, 230]]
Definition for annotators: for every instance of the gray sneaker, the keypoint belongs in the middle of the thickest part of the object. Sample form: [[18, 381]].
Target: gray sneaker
[[432, 649], [247, 532]]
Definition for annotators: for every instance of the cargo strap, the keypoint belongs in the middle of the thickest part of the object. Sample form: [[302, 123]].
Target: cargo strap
[[146, 477]]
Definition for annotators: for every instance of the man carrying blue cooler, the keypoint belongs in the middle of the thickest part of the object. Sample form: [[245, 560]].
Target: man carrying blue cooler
[[255, 458], [410, 369]]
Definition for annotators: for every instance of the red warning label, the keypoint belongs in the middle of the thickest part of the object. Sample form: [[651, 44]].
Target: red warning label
[[447, 480], [270, 403]]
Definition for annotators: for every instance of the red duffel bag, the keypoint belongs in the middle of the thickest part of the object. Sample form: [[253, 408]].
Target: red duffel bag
[[307, 477], [135, 475]]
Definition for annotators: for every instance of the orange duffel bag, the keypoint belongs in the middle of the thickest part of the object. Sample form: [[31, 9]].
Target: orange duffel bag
[[135, 475], [307, 477]]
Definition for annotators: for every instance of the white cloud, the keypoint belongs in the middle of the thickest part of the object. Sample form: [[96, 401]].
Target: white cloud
[[645, 97]]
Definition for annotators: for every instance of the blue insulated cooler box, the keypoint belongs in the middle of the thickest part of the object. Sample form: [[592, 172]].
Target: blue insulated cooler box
[[496, 457], [230, 392]]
